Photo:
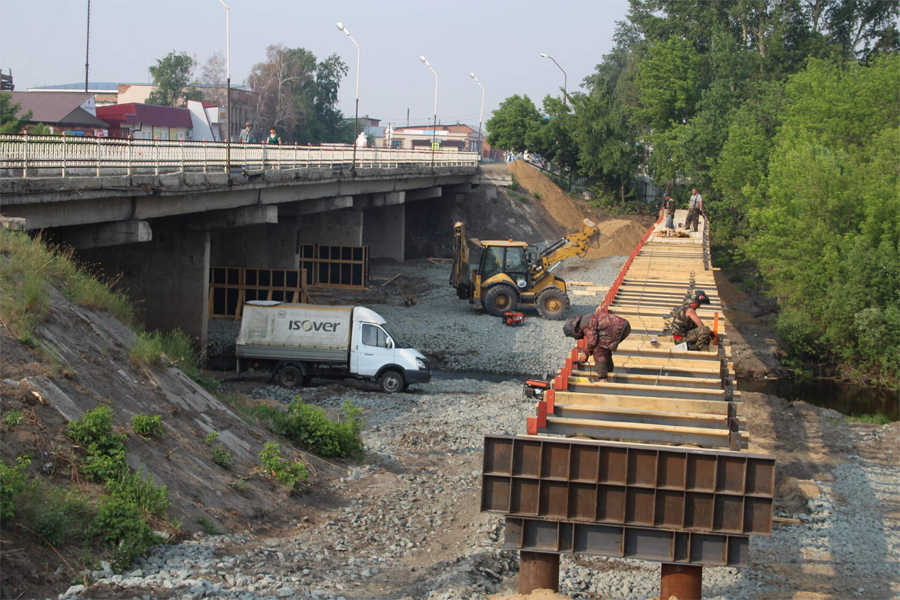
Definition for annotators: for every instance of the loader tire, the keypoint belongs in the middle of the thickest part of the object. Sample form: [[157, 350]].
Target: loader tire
[[553, 304], [500, 299]]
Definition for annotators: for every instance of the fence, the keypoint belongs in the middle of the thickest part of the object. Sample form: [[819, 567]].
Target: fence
[[23, 155], [345, 267], [230, 287]]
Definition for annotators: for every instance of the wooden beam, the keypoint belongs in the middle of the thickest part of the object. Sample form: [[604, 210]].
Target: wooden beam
[[679, 405]]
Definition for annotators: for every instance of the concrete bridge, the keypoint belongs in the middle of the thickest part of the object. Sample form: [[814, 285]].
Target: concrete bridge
[[159, 232]]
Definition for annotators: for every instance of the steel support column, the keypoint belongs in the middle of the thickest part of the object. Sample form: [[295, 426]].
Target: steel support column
[[685, 582], [538, 570]]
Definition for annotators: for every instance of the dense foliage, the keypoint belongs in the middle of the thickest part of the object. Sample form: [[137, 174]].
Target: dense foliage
[[785, 115], [173, 80]]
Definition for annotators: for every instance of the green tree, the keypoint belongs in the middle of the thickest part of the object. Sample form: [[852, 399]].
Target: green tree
[[826, 233], [9, 122], [554, 140], [172, 76], [513, 123]]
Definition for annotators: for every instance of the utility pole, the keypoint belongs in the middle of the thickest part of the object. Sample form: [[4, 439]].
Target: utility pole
[[87, 52], [407, 117], [228, 84]]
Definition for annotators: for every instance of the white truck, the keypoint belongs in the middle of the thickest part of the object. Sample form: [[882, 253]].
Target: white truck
[[297, 342]]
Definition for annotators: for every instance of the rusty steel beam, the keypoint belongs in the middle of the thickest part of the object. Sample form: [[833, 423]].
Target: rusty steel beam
[[538, 571]]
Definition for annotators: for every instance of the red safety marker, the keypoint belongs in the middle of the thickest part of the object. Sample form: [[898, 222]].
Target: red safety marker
[[531, 426], [568, 367], [542, 414], [581, 344], [564, 381], [574, 355], [557, 382]]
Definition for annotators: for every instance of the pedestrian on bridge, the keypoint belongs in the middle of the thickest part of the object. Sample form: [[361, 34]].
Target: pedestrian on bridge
[[247, 137], [688, 327], [669, 208], [603, 332], [695, 207]]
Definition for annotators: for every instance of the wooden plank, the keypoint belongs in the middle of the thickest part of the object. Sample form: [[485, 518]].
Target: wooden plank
[[661, 391], [690, 382], [680, 405], [648, 417], [709, 438], [583, 293]]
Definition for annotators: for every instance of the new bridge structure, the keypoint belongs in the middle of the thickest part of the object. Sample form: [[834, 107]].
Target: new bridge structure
[[657, 464], [156, 215]]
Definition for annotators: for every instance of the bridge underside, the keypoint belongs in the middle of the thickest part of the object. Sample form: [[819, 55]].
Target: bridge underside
[[162, 261]]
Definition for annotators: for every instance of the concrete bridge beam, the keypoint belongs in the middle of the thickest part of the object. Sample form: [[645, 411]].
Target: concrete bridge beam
[[105, 234], [309, 207], [423, 194], [239, 217]]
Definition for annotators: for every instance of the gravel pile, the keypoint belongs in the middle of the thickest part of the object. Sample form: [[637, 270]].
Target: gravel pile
[[463, 338], [407, 525]]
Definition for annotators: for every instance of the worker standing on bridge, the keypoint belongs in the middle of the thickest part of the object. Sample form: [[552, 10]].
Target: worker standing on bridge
[[688, 327], [602, 332], [695, 207], [669, 208]]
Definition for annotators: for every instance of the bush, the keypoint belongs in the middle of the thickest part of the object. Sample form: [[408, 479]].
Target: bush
[[211, 437], [94, 431], [13, 418], [59, 515], [222, 457], [12, 482], [209, 528], [146, 426], [310, 427], [139, 489], [286, 472], [123, 530]]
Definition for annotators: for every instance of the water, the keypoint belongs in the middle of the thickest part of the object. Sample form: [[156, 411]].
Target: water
[[853, 400]]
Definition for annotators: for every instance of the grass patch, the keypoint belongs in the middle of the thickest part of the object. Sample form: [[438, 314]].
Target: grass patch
[[537, 195], [310, 427], [208, 526], [13, 418], [222, 456], [871, 419], [158, 349], [285, 472], [31, 267], [147, 427]]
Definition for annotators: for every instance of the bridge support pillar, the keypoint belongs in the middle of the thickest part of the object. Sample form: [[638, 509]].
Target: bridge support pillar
[[269, 246], [168, 279], [385, 232], [336, 228]]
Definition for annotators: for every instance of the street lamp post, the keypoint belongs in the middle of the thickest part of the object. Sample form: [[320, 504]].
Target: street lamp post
[[228, 84], [480, 116], [341, 27], [565, 77], [433, 125]]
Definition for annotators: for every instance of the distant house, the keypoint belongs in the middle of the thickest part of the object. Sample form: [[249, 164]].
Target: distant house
[[104, 92], [147, 121], [457, 137], [74, 113]]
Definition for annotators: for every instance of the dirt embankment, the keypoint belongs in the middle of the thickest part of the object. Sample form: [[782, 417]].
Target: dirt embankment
[[618, 236]]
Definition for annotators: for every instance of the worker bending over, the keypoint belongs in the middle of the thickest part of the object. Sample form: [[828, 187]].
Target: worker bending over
[[602, 333], [688, 327]]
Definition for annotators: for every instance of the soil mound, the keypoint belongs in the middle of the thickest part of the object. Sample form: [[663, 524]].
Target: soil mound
[[560, 205], [618, 237]]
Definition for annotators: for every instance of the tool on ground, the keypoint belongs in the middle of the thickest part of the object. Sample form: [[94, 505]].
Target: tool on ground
[[535, 388], [513, 318], [510, 275]]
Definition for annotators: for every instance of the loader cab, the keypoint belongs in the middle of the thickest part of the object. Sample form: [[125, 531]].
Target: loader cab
[[509, 258]]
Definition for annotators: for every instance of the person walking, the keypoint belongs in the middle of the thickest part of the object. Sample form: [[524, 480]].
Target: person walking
[[695, 207], [274, 137], [247, 137], [688, 327], [669, 208], [603, 332]]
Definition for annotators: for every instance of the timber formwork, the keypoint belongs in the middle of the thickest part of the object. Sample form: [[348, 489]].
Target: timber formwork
[[659, 470]]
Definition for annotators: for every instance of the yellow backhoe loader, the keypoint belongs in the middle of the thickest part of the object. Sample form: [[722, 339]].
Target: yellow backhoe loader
[[509, 276]]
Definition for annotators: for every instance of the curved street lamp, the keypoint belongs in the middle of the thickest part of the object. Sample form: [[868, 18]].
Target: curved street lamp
[[434, 125], [341, 27], [565, 77], [480, 116]]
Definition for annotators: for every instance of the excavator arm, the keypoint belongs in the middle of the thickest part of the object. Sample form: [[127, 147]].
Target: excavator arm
[[574, 244]]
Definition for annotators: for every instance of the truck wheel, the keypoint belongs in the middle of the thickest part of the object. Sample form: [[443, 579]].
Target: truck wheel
[[553, 304], [500, 299], [391, 382], [289, 376]]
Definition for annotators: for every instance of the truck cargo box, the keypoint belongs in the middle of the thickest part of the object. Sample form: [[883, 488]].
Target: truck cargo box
[[295, 331]]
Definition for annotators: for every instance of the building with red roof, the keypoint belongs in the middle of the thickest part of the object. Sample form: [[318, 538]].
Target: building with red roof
[[147, 121]]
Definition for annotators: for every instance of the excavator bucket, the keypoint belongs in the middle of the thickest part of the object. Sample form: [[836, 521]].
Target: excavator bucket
[[592, 230]]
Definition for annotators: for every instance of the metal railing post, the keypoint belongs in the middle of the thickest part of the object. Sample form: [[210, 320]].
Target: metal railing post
[[128, 165], [65, 154], [181, 144], [98, 156], [25, 157], [156, 162]]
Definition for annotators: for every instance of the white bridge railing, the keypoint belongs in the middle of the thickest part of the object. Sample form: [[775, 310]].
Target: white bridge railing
[[63, 156]]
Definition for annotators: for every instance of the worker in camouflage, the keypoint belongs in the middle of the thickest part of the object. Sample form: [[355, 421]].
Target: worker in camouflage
[[602, 333], [688, 327]]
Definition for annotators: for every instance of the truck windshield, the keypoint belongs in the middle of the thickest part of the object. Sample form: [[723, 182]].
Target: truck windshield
[[397, 342]]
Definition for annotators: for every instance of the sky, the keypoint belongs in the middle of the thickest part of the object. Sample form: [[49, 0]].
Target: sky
[[42, 42]]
